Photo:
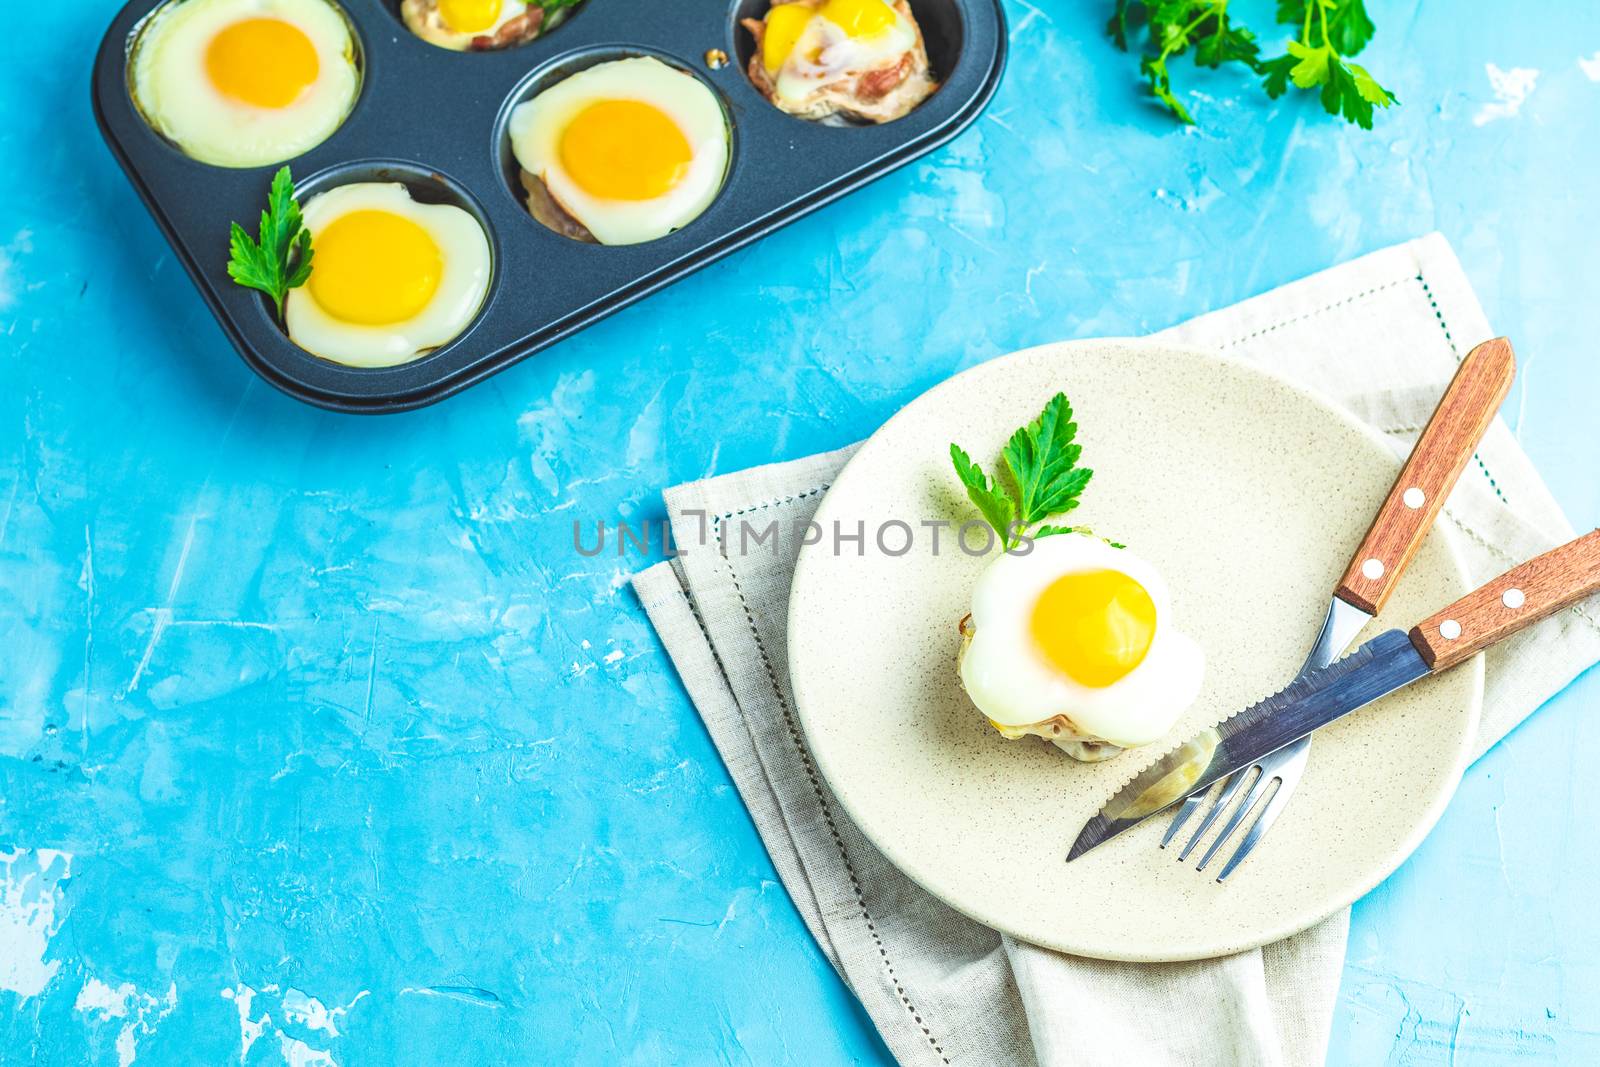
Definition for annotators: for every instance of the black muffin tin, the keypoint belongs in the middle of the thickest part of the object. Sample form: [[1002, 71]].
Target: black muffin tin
[[435, 120]]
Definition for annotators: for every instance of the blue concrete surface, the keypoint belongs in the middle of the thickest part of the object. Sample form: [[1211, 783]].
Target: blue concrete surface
[[319, 743]]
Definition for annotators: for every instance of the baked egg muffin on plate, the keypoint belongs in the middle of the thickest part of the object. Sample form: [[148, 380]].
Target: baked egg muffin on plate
[[621, 152], [1070, 636], [1074, 642], [853, 60], [245, 83]]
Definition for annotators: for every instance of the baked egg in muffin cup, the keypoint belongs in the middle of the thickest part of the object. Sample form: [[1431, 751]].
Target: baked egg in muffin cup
[[840, 61], [482, 25], [245, 83], [622, 152], [391, 278]]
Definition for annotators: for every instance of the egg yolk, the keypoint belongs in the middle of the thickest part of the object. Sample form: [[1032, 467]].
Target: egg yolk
[[469, 16], [785, 24], [859, 19], [374, 267], [624, 150], [1094, 626], [263, 62]]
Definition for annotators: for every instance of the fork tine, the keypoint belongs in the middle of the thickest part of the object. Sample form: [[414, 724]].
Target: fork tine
[[1246, 802], [1269, 813], [1191, 804], [1229, 791]]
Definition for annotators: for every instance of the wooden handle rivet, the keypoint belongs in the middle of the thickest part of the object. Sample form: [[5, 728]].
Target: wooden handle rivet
[[1513, 599], [1414, 498], [1372, 569], [1449, 629]]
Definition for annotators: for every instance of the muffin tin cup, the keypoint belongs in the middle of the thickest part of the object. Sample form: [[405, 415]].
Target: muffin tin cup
[[435, 120]]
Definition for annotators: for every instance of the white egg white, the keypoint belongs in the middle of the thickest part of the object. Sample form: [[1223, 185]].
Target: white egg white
[[175, 94], [463, 282], [536, 129], [1012, 682]]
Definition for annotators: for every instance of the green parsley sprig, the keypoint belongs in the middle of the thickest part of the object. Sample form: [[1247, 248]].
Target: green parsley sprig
[[280, 258], [1173, 26], [1045, 480], [1330, 31], [1343, 28]]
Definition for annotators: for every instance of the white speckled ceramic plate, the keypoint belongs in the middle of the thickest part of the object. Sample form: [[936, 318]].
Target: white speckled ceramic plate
[[1249, 495]]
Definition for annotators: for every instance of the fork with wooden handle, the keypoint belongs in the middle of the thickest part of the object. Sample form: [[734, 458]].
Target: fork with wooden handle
[[1391, 661], [1441, 453]]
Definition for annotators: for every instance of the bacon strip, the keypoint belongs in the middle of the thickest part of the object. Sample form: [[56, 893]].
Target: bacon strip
[[876, 84], [543, 206], [523, 28]]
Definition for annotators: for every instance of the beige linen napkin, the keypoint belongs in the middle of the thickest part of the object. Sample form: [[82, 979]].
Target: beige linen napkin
[[1382, 335]]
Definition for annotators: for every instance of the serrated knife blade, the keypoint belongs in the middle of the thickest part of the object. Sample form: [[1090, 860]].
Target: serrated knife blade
[[1388, 662]]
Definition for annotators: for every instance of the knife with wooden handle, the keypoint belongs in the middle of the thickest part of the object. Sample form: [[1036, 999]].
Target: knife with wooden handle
[[1392, 660], [1441, 453]]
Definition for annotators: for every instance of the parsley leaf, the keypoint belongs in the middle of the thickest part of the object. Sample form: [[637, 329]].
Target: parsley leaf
[[1042, 459], [1331, 31], [1230, 43], [280, 257], [1347, 88], [1276, 73], [1349, 25], [991, 499], [1047, 530]]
